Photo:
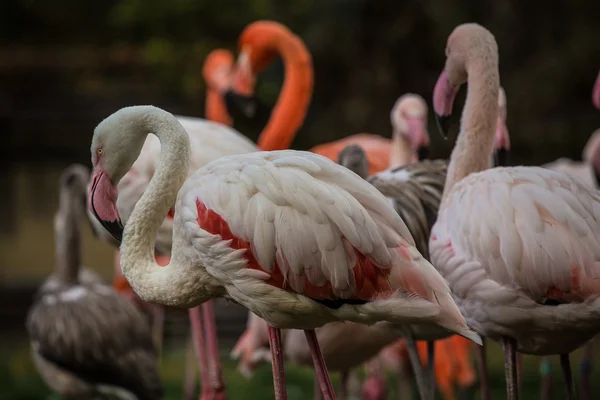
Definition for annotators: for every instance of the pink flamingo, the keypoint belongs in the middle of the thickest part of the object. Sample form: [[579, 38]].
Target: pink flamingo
[[520, 245], [349, 256]]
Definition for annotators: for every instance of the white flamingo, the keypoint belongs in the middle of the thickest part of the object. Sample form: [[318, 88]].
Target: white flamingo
[[209, 141], [292, 236], [519, 246]]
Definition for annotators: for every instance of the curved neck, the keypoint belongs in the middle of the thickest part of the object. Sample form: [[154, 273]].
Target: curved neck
[[475, 141], [68, 236], [292, 105], [215, 108], [401, 152], [163, 285]]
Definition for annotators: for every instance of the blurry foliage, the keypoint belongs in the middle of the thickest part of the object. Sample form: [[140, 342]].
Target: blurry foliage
[[365, 54]]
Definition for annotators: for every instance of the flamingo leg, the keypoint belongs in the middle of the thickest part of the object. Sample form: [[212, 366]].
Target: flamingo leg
[[214, 362], [277, 364], [189, 383], [510, 368], [586, 371], [484, 380], [200, 348], [430, 368], [519, 370], [415, 361], [317, 395], [320, 367], [565, 364], [546, 373]]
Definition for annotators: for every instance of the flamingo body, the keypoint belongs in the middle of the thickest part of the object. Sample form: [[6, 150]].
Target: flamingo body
[[348, 250], [512, 240]]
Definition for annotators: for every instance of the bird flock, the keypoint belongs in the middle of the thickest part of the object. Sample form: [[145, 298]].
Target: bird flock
[[358, 252]]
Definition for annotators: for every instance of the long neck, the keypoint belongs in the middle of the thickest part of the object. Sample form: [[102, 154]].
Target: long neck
[[68, 236], [401, 151], [168, 285], [215, 108], [473, 147], [292, 105]]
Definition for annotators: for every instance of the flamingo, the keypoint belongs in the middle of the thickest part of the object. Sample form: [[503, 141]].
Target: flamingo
[[416, 192], [518, 245], [87, 341], [258, 44], [232, 236], [209, 141]]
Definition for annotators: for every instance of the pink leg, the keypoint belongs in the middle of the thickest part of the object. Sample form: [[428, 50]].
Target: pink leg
[[200, 347], [277, 364], [216, 373], [320, 367]]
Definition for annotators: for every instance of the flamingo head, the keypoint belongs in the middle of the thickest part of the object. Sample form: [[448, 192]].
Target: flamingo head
[[596, 93], [502, 138], [116, 144], [464, 44], [355, 159], [217, 70], [259, 44], [409, 119]]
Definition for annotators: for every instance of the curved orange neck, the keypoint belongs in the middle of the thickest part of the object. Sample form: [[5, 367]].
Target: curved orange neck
[[215, 108], [292, 105]]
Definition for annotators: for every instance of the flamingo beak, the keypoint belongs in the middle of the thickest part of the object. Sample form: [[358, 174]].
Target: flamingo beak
[[418, 136], [102, 203], [244, 80], [240, 95], [443, 100], [501, 142]]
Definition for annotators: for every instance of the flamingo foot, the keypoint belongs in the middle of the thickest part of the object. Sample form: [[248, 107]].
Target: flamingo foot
[[374, 388]]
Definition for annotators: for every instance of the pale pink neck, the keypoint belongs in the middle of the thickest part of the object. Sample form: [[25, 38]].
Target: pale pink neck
[[401, 152], [478, 123]]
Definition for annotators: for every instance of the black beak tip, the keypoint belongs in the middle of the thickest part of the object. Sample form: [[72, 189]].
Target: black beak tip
[[115, 228], [501, 158], [443, 124], [423, 153], [246, 105]]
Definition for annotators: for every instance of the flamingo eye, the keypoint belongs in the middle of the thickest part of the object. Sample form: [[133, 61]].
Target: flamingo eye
[[100, 151]]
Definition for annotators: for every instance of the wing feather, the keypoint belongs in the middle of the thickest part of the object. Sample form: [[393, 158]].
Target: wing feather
[[526, 226]]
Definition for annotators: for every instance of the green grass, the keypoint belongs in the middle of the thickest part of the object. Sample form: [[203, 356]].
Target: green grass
[[20, 381]]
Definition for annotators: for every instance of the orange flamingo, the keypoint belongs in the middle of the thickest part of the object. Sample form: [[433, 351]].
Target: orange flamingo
[[259, 43]]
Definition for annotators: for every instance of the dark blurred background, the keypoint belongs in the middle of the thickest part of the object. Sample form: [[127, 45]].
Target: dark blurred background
[[67, 64]]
